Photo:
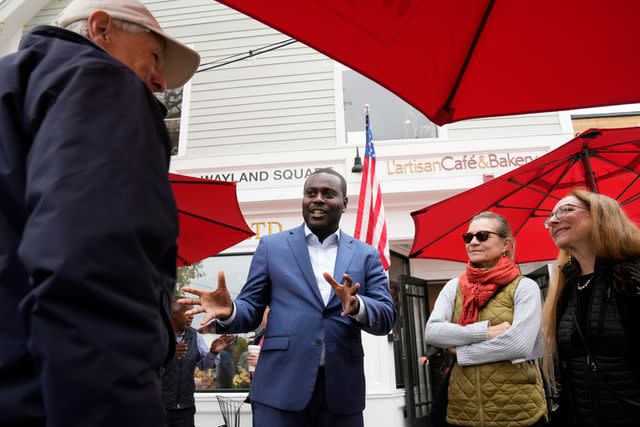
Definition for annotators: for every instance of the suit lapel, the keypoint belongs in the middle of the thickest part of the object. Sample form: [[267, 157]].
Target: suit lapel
[[346, 249], [298, 245]]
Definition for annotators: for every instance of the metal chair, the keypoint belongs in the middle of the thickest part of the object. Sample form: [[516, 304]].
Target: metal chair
[[230, 409]]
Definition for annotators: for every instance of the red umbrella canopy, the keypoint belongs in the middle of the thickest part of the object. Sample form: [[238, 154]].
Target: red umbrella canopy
[[606, 160], [209, 217], [461, 59]]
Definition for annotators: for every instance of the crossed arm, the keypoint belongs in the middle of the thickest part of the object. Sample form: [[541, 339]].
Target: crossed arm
[[480, 342]]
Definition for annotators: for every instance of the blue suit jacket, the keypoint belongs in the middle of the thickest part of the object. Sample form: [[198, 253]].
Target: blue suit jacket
[[281, 276]]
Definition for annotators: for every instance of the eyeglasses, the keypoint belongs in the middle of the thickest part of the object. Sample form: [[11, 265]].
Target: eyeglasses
[[561, 212], [482, 236]]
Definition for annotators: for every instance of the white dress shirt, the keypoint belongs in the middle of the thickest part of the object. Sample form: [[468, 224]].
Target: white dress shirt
[[323, 259]]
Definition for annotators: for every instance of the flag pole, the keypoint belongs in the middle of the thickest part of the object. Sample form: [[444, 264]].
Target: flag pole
[[371, 226]]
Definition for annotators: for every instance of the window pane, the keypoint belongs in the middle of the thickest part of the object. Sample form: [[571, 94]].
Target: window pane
[[172, 100], [232, 372], [391, 117]]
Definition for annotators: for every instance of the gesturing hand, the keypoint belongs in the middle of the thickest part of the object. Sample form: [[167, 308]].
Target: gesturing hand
[[346, 292], [215, 304], [181, 350], [221, 343]]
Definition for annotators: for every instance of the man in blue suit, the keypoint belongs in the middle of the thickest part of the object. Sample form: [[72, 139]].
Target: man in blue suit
[[310, 371]]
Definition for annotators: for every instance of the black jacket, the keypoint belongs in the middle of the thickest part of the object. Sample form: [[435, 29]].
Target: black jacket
[[599, 375], [178, 384], [88, 230]]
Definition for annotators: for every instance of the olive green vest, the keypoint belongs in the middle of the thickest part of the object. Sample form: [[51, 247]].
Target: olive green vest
[[498, 394]]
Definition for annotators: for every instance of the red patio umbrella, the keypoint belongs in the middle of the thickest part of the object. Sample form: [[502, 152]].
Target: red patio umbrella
[[461, 59], [603, 160], [209, 216]]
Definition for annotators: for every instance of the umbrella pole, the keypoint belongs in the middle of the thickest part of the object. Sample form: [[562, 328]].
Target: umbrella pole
[[589, 177]]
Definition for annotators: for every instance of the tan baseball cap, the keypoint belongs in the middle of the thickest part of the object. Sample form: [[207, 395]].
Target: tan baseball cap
[[181, 62]]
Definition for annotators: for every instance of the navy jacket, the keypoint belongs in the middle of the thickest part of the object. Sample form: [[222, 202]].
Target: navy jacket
[[178, 383], [88, 230], [299, 323]]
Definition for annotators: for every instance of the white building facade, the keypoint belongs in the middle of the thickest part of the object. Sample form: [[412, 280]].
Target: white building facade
[[269, 120]]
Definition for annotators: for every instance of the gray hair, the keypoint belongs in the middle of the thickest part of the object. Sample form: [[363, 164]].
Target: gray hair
[[504, 230], [81, 26], [175, 307]]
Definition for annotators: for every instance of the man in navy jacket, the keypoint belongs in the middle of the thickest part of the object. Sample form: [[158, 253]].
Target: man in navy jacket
[[310, 371], [88, 222]]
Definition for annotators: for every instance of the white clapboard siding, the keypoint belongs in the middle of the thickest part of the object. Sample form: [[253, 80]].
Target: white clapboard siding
[[220, 115], [264, 103], [282, 100], [46, 14], [508, 126]]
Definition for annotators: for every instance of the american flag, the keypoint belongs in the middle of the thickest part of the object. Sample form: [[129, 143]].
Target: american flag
[[371, 226]]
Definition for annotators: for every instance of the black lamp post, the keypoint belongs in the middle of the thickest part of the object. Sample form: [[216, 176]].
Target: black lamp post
[[357, 163]]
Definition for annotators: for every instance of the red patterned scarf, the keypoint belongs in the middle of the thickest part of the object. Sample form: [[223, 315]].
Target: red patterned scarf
[[479, 285]]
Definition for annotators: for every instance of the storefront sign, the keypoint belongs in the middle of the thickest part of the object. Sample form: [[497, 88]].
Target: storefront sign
[[265, 228], [457, 163], [266, 176], [395, 168]]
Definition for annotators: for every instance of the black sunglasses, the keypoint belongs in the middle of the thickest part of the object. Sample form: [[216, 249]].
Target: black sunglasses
[[482, 236]]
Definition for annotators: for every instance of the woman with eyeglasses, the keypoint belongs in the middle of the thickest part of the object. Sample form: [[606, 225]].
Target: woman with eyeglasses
[[490, 318], [589, 319]]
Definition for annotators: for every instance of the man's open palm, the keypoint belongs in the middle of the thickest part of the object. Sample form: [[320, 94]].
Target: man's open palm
[[346, 292], [215, 304]]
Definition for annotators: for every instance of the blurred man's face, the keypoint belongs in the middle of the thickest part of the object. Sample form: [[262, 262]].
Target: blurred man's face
[[141, 52], [180, 319]]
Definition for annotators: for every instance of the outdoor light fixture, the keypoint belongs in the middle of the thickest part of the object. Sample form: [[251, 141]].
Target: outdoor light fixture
[[357, 163]]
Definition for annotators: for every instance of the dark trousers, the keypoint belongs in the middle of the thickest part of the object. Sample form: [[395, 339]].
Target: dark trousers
[[181, 417], [316, 414]]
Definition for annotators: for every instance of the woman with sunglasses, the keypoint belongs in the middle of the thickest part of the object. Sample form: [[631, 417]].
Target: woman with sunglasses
[[490, 318], [590, 321]]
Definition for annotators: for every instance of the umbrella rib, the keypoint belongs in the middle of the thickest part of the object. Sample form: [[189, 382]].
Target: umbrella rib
[[602, 150], [184, 260], [456, 85], [613, 173], [628, 187], [569, 165], [616, 144], [630, 200], [513, 181], [213, 221], [553, 168], [520, 207], [611, 162]]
